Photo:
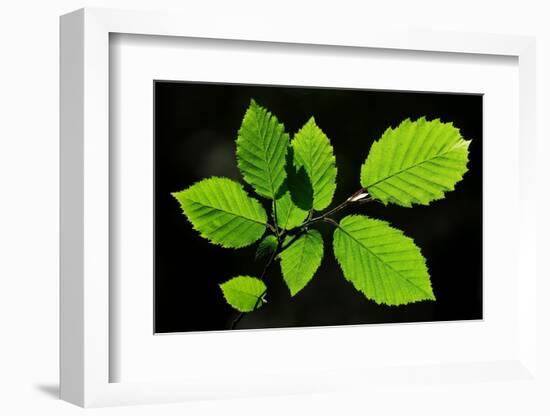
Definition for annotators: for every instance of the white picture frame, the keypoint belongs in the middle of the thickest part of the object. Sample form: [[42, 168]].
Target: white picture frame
[[85, 217]]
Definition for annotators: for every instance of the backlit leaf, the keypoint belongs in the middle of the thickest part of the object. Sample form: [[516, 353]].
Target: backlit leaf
[[381, 262], [244, 293], [313, 151], [266, 247], [298, 183], [289, 216], [415, 163], [261, 150], [297, 196], [222, 212], [301, 259]]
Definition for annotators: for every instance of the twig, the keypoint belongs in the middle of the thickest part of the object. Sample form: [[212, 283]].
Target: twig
[[331, 221], [361, 197]]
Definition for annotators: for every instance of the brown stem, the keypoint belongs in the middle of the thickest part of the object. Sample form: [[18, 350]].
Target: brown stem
[[361, 196]]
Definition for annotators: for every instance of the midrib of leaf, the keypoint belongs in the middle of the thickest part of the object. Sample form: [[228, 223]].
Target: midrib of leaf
[[439, 155], [304, 245], [319, 162], [291, 208], [288, 211], [383, 262], [264, 152], [318, 155], [315, 154], [247, 294], [230, 230], [226, 212]]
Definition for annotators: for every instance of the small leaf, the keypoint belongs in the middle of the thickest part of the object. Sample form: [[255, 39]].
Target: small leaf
[[244, 293], [261, 149], [266, 247], [222, 212], [289, 216], [301, 259], [313, 151], [416, 163], [381, 262]]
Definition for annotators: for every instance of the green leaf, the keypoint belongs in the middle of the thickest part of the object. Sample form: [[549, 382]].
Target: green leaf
[[381, 262], [313, 151], [301, 259], [298, 183], [415, 163], [222, 212], [244, 293], [266, 247], [297, 196], [289, 216], [261, 149]]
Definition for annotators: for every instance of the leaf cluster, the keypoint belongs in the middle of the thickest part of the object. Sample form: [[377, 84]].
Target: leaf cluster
[[415, 163]]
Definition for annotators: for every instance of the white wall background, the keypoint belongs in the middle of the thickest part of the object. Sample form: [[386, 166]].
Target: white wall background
[[29, 196]]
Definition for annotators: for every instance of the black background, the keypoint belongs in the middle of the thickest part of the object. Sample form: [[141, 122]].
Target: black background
[[195, 130]]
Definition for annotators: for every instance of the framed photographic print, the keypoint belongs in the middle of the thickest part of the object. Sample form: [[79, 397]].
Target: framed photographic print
[[230, 197], [202, 150]]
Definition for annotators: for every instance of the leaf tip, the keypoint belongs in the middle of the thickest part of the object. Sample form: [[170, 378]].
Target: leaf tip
[[176, 194]]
